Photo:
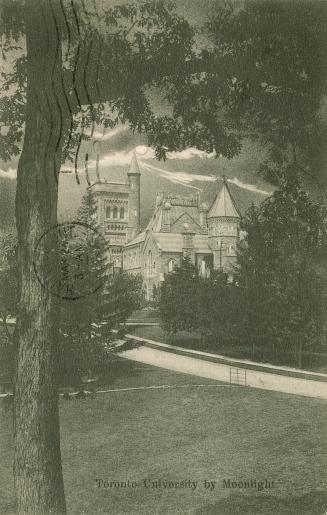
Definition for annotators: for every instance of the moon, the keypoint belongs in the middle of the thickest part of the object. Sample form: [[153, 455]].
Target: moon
[[141, 150]]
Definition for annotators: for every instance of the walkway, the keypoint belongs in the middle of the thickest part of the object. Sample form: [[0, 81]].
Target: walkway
[[221, 372]]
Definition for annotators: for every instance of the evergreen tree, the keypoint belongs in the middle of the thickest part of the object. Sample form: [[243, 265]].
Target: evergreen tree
[[122, 296], [220, 310], [282, 275], [84, 260], [178, 298], [209, 305], [86, 321]]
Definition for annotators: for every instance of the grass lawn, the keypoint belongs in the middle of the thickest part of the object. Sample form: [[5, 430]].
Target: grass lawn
[[145, 315], [187, 434]]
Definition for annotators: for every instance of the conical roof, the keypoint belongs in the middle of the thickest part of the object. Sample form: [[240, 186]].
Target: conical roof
[[134, 166], [224, 204]]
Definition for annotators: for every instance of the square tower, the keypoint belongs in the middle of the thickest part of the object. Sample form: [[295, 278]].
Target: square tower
[[118, 211]]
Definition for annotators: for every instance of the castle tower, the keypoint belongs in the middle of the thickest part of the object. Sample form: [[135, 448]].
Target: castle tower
[[223, 229], [134, 180]]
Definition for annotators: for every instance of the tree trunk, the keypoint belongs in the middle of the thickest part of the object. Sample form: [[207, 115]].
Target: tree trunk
[[37, 458]]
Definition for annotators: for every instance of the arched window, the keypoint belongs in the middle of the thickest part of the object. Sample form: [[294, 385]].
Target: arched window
[[115, 213], [108, 212], [170, 265], [122, 213]]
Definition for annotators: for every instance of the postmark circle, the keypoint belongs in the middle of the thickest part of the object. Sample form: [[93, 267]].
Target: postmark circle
[[77, 273]]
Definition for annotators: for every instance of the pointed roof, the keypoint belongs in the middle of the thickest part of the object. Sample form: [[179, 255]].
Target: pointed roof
[[134, 166], [224, 204]]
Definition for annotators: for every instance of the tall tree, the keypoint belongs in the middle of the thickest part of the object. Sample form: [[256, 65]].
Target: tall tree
[[76, 61], [57, 79], [282, 274], [178, 298]]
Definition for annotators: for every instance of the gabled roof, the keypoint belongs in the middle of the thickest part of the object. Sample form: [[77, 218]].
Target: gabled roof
[[176, 214], [177, 225], [138, 239], [174, 242], [224, 204]]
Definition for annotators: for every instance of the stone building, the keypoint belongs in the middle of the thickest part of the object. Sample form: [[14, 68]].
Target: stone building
[[118, 211], [179, 226]]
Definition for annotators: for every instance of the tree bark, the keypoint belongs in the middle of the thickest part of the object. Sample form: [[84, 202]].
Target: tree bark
[[37, 459]]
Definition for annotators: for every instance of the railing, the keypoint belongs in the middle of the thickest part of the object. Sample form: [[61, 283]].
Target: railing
[[237, 376]]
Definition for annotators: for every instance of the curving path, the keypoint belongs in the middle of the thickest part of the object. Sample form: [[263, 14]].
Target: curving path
[[221, 372]]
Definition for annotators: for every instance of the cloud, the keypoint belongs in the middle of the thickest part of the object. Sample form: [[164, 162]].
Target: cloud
[[123, 157], [186, 179], [11, 173], [119, 158], [249, 187], [105, 136], [190, 153], [182, 178]]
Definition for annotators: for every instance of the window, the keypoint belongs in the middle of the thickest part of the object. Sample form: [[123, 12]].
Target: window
[[170, 265], [115, 212], [108, 212], [203, 268], [122, 213], [150, 261]]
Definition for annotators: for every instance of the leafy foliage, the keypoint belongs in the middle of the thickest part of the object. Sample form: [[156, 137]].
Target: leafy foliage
[[177, 298], [208, 305], [259, 73], [278, 297], [282, 273], [111, 57], [86, 323]]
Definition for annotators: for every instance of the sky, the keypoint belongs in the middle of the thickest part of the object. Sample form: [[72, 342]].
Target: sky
[[190, 168], [116, 147]]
